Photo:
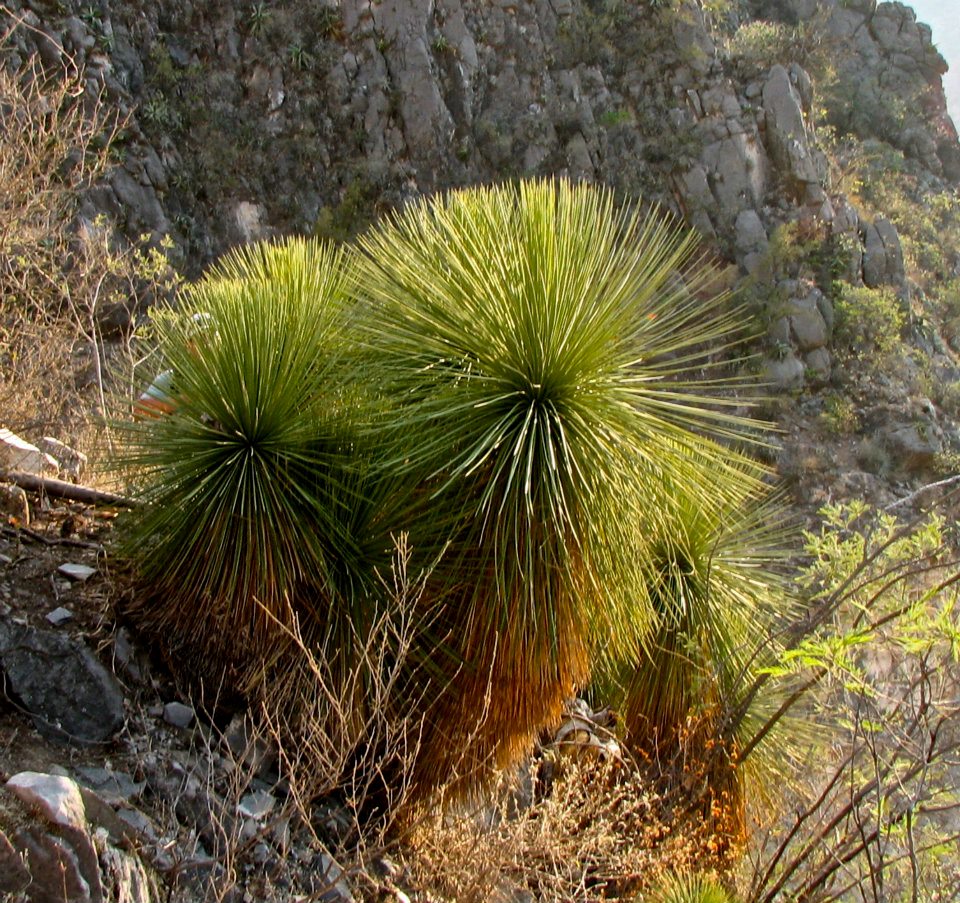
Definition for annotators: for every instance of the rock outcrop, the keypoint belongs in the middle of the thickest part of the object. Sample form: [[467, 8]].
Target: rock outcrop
[[250, 121]]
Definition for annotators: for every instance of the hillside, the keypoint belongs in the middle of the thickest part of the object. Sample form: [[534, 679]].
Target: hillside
[[806, 142]]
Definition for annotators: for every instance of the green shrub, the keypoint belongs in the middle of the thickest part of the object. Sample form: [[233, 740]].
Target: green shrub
[[874, 666], [712, 575], [868, 324], [255, 491], [690, 888], [537, 343]]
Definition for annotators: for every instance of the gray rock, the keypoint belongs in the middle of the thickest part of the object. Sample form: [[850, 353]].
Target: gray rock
[[80, 573], [112, 786], [874, 257], [139, 823], [18, 454], [893, 251], [72, 462], [737, 172], [913, 447], [70, 695], [243, 744], [125, 878], [137, 204], [59, 616], [808, 328], [327, 881], [55, 797], [784, 373], [56, 874], [257, 805], [819, 363], [751, 236], [178, 714], [787, 137], [882, 254], [125, 655]]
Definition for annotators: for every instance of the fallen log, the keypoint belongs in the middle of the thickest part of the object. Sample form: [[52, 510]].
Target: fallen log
[[63, 490]]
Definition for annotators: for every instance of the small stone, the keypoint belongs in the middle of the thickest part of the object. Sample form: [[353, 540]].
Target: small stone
[[14, 503], [327, 880], [140, 823], [249, 829], [125, 654], [178, 714], [81, 573], [60, 616], [258, 805], [112, 786], [244, 746], [57, 798]]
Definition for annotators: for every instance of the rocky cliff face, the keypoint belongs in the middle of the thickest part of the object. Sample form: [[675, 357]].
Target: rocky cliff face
[[252, 120]]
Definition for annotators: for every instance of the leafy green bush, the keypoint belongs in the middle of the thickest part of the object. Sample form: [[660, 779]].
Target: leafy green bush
[[874, 665], [868, 323]]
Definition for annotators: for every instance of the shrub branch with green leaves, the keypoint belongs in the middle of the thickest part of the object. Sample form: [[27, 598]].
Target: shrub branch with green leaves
[[875, 665]]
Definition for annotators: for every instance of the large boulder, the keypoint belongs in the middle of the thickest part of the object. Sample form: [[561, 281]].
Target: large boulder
[[788, 140]]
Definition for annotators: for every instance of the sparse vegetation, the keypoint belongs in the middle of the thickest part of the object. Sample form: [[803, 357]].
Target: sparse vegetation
[[59, 284]]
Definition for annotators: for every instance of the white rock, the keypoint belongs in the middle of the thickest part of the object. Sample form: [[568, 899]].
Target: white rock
[[57, 798], [18, 454], [71, 461], [79, 572], [258, 804]]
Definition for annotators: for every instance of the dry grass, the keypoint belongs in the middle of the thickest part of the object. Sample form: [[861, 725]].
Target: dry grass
[[593, 832], [69, 288]]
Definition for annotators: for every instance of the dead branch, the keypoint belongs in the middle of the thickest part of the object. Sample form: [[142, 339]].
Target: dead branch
[[61, 489]]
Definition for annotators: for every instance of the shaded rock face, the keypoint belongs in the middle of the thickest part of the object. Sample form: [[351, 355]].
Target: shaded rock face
[[890, 73], [249, 121], [254, 121]]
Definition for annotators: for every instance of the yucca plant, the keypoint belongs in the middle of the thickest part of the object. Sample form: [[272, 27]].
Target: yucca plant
[[257, 501], [690, 887], [539, 346], [714, 578]]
